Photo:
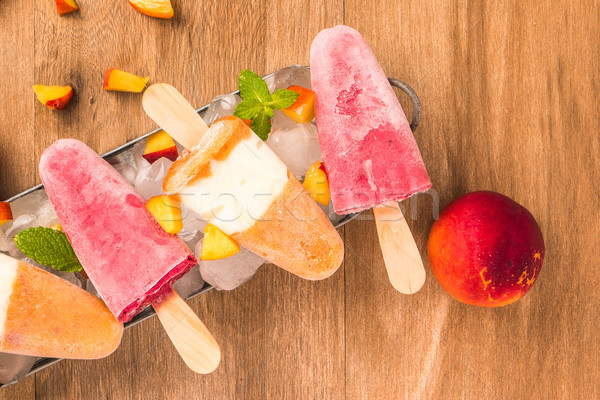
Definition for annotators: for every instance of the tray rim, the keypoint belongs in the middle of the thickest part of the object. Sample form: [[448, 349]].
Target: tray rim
[[148, 312]]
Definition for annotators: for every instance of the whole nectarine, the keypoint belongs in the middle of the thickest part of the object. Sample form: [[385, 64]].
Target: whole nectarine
[[486, 249]]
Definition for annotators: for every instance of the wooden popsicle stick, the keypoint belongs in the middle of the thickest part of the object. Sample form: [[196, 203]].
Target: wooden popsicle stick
[[400, 253], [195, 344], [193, 341], [172, 112]]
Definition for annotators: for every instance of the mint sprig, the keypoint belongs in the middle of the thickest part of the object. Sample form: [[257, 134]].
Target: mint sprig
[[48, 247], [258, 104]]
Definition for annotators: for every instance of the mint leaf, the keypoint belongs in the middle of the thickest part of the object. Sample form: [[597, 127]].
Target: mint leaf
[[248, 109], [252, 87], [261, 125], [48, 247], [283, 98], [258, 104]]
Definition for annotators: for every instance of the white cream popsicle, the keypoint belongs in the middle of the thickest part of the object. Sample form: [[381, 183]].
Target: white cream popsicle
[[239, 190], [234, 180]]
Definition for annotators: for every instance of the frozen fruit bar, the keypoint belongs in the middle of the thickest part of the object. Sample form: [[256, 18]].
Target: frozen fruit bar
[[129, 258], [45, 316], [369, 152]]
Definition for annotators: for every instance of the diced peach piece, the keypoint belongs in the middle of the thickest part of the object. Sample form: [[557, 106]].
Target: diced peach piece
[[5, 213], [53, 97], [217, 245], [122, 81], [316, 184], [153, 8], [303, 109], [167, 211], [158, 145], [57, 227], [66, 6]]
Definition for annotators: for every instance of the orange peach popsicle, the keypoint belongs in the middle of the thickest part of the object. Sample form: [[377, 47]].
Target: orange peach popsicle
[[234, 181], [45, 316]]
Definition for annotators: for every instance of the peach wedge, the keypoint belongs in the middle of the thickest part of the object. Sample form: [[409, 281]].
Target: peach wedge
[[121, 81], [167, 212], [303, 109], [217, 245], [66, 6], [5, 213], [316, 184], [153, 8], [53, 97], [158, 145]]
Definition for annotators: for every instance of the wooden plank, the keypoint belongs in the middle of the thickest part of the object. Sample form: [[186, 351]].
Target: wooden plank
[[304, 331], [16, 113], [17, 171], [508, 90]]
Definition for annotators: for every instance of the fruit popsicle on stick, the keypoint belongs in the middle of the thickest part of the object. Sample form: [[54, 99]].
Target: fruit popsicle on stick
[[369, 152], [43, 315], [129, 258], [233, 180]]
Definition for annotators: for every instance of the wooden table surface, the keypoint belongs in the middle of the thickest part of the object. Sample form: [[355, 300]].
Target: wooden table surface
[[509, 92]]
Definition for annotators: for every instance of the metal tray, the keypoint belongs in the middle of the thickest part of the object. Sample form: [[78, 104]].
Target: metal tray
[[148, 312]]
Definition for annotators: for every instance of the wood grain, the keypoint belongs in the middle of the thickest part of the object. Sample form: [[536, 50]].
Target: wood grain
[[509, 92]]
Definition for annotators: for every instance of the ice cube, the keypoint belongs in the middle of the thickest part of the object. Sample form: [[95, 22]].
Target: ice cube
[[45, 215], [29, 203], [281, 122], [231, 272], [149, 180], [20, 223], [220, 107], [292, 75], [29, 211], [190, 283], [297, 147], [14, 367], [193, 227], [9, 247]]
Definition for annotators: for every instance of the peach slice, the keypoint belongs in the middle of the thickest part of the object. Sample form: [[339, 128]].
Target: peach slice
[[217, 245], [53, 97], [158, 145], [5, 212], [66, 6], [153, 8], [303, 109], [122, 81], [316, 184], [167, 212]]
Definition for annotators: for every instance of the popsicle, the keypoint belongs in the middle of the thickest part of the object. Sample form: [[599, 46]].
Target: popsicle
[[369, 152], [233, 180], [45, 316], [129, 258]]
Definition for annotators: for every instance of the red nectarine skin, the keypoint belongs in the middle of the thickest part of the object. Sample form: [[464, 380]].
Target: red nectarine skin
[[486, 249]]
